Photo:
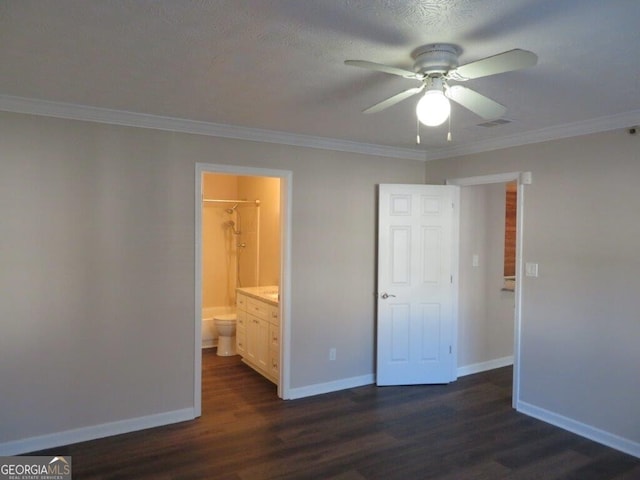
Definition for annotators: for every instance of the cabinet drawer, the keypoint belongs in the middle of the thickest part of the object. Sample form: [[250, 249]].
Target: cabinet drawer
[[241, 340], [274, 336], [274, 364], [241, 300], [258, 309], [274, 315], [241, 318]]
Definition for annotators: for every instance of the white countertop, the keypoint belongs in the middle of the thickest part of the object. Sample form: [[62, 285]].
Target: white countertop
[[269, 294]]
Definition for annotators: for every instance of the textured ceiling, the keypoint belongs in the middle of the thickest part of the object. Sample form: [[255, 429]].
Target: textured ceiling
[[278, 64]]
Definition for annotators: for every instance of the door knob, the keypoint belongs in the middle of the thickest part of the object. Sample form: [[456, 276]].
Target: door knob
[[385, 295]]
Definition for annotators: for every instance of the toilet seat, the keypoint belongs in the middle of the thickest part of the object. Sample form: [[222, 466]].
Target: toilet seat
[[225, 319]]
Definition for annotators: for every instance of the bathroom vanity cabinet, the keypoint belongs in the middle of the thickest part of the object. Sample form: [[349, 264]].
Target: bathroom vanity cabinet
[[258, 331]]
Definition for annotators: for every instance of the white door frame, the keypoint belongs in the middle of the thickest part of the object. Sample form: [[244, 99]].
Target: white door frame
[[523, 178], [286, 178]]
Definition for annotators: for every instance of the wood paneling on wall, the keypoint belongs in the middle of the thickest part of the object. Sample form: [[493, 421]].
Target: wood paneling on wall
[[510, 223]]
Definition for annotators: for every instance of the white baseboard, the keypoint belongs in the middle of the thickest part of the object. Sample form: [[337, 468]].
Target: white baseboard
[[320, 388], [93, 432], [353, 382], [592, 433], [484, 366]]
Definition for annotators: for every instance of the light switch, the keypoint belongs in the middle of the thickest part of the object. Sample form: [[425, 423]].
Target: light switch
[[531, 269], [475, 260]]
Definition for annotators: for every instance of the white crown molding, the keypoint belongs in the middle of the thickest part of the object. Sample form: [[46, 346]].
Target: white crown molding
[[556, 132], [142, 120]]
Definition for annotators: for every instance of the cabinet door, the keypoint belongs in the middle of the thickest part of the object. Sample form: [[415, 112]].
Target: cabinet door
[[257, 341], [263, 344], [252, 338]]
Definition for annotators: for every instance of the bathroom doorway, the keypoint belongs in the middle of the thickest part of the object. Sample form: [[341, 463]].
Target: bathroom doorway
[[242, 248], [491, 290]]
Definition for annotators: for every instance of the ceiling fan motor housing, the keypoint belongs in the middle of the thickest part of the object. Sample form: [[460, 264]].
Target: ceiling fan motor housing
[[436, 59]]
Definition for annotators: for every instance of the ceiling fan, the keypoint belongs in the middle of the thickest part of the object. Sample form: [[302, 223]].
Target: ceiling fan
[[435, 65]]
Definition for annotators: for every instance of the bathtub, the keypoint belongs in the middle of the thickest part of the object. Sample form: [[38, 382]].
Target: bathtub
[[209, 336]]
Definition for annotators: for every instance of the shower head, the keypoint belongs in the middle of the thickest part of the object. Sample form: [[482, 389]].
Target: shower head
[[232, 209]]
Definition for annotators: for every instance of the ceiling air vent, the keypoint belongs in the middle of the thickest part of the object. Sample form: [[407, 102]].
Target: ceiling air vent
[[494, 123]]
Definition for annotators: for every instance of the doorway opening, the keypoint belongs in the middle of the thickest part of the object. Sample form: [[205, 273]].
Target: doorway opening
[[243, 224], [489, 297]]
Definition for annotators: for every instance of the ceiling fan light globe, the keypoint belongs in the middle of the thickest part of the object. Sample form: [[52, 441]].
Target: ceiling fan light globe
[[433, 108]]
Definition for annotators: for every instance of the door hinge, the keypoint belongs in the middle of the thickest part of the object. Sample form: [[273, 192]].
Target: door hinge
[[451, 278], [450, 350]]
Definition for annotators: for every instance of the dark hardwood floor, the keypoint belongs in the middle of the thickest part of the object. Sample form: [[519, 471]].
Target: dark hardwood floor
[[466, 430]]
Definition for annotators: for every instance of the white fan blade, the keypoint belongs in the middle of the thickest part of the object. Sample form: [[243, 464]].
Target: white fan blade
[[393, 100], [382, 68], [500, 63], [477, 103]]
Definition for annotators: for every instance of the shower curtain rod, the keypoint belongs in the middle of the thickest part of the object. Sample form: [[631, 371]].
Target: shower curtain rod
[[216, 200]]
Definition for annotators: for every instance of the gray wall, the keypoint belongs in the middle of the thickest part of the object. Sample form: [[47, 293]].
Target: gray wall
[[97, 267], [486, 313], [580, 327]]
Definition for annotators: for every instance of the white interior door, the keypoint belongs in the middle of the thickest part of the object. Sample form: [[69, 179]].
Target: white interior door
[[417, 260]]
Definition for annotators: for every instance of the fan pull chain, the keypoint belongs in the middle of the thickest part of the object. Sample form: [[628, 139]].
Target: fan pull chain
[[449, 132], [417, 131]]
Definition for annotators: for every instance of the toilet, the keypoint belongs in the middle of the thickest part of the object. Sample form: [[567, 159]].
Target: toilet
[[226, 328]]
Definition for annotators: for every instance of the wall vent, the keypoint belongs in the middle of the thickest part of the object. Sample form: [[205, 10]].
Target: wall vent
[[494, 123]]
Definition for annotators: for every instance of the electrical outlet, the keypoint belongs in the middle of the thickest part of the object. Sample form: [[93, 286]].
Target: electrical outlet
[[332, 354]]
